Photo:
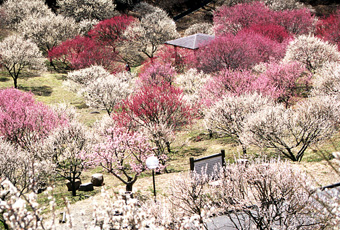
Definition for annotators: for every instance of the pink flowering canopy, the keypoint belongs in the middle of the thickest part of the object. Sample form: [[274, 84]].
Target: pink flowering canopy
[[121, 153], [156, 73], [23, 121], [241, 51]]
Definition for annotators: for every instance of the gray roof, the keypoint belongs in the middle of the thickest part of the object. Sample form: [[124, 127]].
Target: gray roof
[[192, 41]]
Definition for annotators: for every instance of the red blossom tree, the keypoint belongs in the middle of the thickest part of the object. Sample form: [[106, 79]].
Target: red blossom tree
[[82, 52], [272, 31], [241, 51], [158, 110], [23, 121], [329, 28], [110, 31]]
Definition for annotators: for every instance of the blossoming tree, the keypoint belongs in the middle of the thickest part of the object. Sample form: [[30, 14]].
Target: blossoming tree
[[65, 147], [23, 121], [291, 131], [16, 53], [158, 110], [122, 154], [229, 115]]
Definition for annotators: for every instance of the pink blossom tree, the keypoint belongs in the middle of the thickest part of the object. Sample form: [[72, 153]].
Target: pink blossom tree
[[156, 73], [283, 82], [240, 16], [233, 19], [227, 82], [23, 121], [274, 32], [121, 153], [297, 21], [241, 51]]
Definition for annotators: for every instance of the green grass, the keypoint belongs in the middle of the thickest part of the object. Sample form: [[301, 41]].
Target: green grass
[[60, 195], [48, 88]]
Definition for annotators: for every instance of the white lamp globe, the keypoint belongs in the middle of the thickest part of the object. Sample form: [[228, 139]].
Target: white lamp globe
[[152, 162]]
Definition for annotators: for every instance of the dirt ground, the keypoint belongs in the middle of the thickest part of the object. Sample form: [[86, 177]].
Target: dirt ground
[[82, 211]]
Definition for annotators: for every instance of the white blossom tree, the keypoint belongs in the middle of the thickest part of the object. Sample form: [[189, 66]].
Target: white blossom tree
[[204, 28], [291, 131], [18, 211], [265, 195], [48, 31], [87, 9], [108, 91], [283, 4], [192, 82], [81, 78], [14, 165], [86, 25], [66, 146], [326, 80], [229, 115], [311, 52], [99, 88], [16, 53], [152, 30], [18, 10]]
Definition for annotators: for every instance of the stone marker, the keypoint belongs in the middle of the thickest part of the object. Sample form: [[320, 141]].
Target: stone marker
[[97, 179], [86, 187]]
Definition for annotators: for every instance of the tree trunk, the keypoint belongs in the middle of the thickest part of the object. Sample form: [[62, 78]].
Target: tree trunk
[[15, 79], [2, 220], [129, 186], [244, 149], [74, 190], [52, 64], [210, 133], [168, 146]]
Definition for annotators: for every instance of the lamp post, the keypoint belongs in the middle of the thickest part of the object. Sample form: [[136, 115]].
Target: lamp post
[[152, 163]]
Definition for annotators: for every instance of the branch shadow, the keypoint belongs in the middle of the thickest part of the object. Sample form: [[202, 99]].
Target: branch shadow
[[38, 90], [4, 79]]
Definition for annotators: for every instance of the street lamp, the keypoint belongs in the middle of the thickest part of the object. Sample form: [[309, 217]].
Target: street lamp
[[152, 163]]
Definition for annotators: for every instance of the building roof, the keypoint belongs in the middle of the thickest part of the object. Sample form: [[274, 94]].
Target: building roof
[[192, 41]]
